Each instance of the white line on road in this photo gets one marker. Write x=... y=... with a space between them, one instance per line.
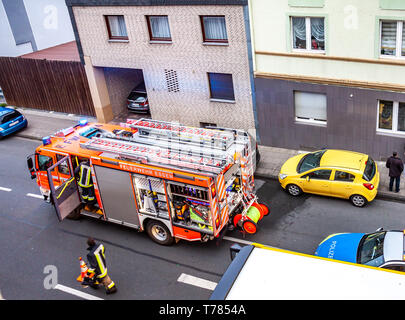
x=198 y=282
x=33 y=195
x=5 y=189
x=76 y=292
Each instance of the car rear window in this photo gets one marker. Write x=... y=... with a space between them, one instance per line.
x=136 y=95
x=10 y=116
x=370 y=169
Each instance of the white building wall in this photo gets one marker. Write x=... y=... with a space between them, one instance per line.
x=50 y=22
x=8 y=48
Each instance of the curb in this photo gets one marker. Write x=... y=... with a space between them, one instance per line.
x=382 y=195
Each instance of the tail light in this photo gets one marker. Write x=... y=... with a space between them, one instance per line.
x=369 y=186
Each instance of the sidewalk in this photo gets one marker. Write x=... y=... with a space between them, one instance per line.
x=43 y=123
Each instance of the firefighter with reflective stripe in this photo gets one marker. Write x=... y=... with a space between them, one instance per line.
x=85 y=181
x=97 y=272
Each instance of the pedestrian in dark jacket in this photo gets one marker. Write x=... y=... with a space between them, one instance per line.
x=396 y=166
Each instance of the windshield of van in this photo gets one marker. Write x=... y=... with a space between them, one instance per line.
x=370 y=250
x=370 y=170
x=310 y=161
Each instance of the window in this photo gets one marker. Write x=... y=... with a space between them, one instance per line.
x=44 y=162
x=116 y=27
x=214 y=29
x=308 y=34
x=221 y=86
x=310 y=107
x=344 y=176
x=391 y=116
x=10 y=116
x=318 y=175
x=371 y=248
x=392 y=39
x=369 y=170
x=158 y=27
x=64 y=166
x=310 y=161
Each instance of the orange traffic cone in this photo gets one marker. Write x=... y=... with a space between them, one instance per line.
x=83 y=270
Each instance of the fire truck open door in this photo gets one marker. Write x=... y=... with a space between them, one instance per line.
x=66 y=197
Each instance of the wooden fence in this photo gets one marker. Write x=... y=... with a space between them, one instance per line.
x=46 y=84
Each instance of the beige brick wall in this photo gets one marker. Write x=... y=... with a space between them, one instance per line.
x=186 y=54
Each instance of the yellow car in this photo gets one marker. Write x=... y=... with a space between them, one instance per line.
x=337 y=173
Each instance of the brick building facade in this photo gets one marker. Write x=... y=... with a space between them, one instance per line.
x=177 y=72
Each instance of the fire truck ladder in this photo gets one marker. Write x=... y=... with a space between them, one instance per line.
x=161 y=130
x=154 y=155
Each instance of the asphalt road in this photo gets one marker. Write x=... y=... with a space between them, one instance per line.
x=33 y=241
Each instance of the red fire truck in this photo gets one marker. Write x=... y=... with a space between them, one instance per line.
x=170 y=180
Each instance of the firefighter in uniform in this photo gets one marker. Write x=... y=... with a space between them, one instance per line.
x=86 y=182
x=97 y=272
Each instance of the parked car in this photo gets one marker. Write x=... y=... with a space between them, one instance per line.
x=137 y=100
x=337 y=173
x=381 y=248
x=11 y=121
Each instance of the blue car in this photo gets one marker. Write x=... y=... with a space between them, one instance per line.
x=383 y=249
x=11 y=121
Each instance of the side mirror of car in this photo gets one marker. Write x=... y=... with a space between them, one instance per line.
x=235 y=248
x=307 y=178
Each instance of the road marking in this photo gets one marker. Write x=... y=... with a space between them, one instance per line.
x=33 y=195
x=198 y=282
x=5 y=189
x=237 y=240
x=76 y=292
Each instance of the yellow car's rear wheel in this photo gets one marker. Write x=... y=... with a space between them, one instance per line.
x=358 y=200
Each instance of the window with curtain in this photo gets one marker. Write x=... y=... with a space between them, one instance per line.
x=214 y=29
x=116 y=27
x=221 y=86
x=310 y=106
x=392 y=39
x=308 y=33
x=391 y=116
x=388 y=38
x=159 y=28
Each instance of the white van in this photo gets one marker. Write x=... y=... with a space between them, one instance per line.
x=258 y=272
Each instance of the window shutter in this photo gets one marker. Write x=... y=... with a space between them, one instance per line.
x=310 y=105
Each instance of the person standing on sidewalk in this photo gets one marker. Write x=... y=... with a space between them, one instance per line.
x=396 y=166
x=96 y=258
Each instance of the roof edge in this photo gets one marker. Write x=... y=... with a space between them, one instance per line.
x=71 y=3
